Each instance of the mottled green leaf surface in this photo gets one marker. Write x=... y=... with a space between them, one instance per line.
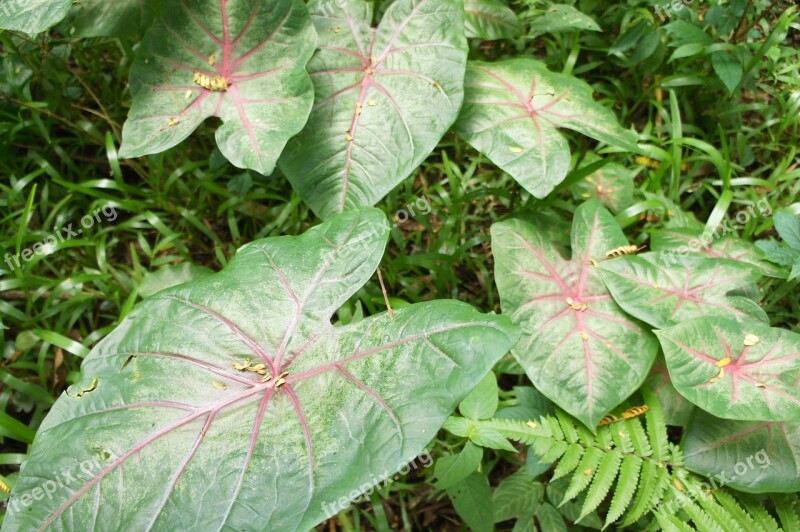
x=254 y=50
x=611 y=185
x=513 y=110
x=712 y=366
x=490 y=20
x=676 y=409
x=180 y=438
x=680 y=242
x=383 y=99
x=753 y=456
x=32 y=16
x=663 y=292
x=586 y=360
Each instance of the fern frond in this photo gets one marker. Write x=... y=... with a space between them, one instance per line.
x=632 y=467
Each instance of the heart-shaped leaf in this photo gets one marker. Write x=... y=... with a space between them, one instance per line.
x=32 y=16
x=735 y=371
x=180 y=426
x=239 y=60
x=512 y=112
x=577 y=346
x=383 y=99
x=751 y=456
x=676 y=409
x=96 y=18
x=663 y=292
x=680 y=242
x=490 y=20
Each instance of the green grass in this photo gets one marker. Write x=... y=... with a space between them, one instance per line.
x=62 y=104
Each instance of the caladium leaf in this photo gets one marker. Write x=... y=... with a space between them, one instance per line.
x=32 y=16
x=180 y=426
x=611 y=185
x=383 y=99
x=662 y=292
x=676 y=409
x=490 y=20
x=751 y=456
x=734 y=370
x=97 y=18
x=680 y=242
x=577 y=346
x=512 y=112
x=239 y=60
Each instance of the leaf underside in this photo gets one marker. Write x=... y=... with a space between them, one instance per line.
x=585 y=360
x=383 y=99
x=179 y=438
x=711 y=365
x=256 y=51
x=513 y=110
x=756 y=456
x=98 y=18
x=662 y=292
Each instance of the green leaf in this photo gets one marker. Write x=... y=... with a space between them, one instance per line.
x=481 y=403
x=451 y=470
x=728 y=68
x=711 y=365
x=677 y=242
x=169 y=276
x=490 y=20
x=586 y=360
x=472 y=499
x=383 y=99
x=161 y=417
x=32 y=16
x=562 y=18
x=492 y=439
x=99 y=18
x=677 y=410
x=516 y=494
x=611 y=185
x=257 y=84
x=788 y=226
x=751 y=456
x=777 y=253
x=531 y=405
x=512 y=112
x=550 y=519
x=663 y=290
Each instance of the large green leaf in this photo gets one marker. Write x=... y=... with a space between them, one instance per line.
x=752 y=456
x=662 y=293
x=383 y=99
x=490 y=20
x=733 y=370
x=93 y=18
x=179 y=437
x=512 y=112
x=585 y=359
x=680 y=242
x=32 y=16
x=239 y=60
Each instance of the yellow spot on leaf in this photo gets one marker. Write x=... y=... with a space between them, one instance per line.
x=215 y=84
x=189 y=94
x=588 y=471
x=677 y=484
x=532 y=425
x=751 y=339
x=515 y=149
x=212 y=59
x=348 y=137
x=372 y=103
x=584 y=336
x=219 y=385
x=721 y=363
